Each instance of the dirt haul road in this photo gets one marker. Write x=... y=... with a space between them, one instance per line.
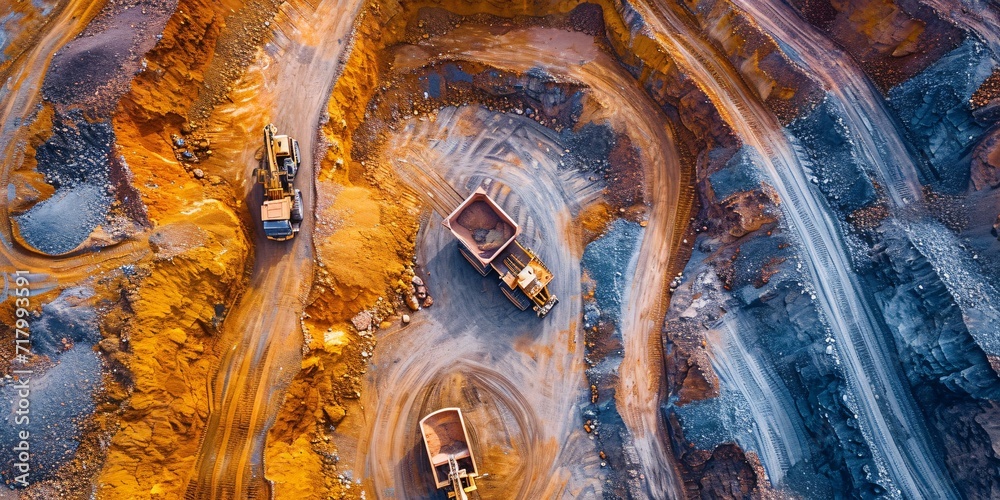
x=879 y=140
x=524 y=372
x=892 y=425
x=262 y=338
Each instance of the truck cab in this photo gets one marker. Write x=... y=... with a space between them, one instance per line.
x=279 y=230
x=281 y=218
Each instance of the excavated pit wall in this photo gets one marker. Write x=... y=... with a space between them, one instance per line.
x=948 y=370
x=754 y=283
x=936 y=110
x=703 y=141
x=893 y=40
x=951 y=377
x=785 y=88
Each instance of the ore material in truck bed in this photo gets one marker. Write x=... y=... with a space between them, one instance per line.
x=488 y=231
x=482 y=226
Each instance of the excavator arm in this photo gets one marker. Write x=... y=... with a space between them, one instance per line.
x=273 y=177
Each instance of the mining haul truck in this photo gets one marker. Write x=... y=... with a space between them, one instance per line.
x=281 y=212
x=447 y=444
x=488 y=240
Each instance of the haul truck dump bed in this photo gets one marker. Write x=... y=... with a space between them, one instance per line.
x=488 y=240
x=449 y=452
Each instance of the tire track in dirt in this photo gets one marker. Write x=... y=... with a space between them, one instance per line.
x=464 y=162
x=262 y=333
x=893 y=428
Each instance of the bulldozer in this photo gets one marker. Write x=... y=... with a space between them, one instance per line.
x=281 y=211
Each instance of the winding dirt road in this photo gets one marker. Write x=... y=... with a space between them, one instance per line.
x=262 y=338
x=523 y=158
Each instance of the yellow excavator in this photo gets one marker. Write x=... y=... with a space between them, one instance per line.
x=281 y=212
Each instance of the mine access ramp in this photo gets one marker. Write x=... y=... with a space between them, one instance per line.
x=281 y=211
x=447 y=442
x=488 y=240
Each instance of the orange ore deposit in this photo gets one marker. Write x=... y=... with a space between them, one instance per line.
x=732 y=249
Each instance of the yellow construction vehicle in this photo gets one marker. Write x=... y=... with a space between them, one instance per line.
x=488 y=240
x=281 y=212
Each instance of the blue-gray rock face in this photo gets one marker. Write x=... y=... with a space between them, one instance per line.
x=605 y=258
x=840 y=175
x=76 y=161
x=935 y=109
x=739 y=174
x=782 y=391
x=604 y=261
x=933 y=340
x=65 y=320
x=58 y=398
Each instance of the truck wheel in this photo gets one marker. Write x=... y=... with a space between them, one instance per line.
x=519 y=298
x=296 y=215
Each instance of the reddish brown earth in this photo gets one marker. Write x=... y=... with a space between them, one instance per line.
x=208 y=75
x=893 y=40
